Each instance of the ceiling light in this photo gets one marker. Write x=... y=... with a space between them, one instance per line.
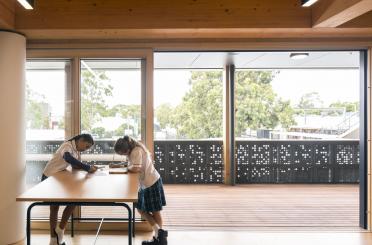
x=27 y=4
x=298 y=56
x=307 y=3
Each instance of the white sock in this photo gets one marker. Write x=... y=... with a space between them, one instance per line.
x=156 y=228
x=53 y=241
x=60 y=234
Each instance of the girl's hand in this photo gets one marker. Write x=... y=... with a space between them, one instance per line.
x=92 y=169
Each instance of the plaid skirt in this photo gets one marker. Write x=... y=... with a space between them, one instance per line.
x=152 y=198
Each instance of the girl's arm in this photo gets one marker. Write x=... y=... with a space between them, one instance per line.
x=76 y=163
x=133 y=169
x=135 y=161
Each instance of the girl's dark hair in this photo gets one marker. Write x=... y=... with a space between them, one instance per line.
x=127 y=144
x=85 y=137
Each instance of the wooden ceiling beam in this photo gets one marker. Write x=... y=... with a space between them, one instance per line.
x=333 y=13
x=195 y=33
x=7 y=14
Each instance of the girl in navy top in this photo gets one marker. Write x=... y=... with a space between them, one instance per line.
x=66 y=155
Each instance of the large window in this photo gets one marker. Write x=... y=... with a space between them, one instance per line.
x=46 y=82
x=110 y=93
x=297 y=117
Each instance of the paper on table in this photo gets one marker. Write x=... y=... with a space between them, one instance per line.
x=100 y=173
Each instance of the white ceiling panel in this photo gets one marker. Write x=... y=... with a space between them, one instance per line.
x=256 y=60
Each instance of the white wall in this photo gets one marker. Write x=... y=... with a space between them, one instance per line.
x=12 y=132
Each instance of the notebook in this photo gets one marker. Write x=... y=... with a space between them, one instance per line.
x=118 y=170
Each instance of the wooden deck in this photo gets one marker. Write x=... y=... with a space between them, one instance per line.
x=242 y=207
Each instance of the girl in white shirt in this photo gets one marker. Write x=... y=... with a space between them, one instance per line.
x=66 y=155
x=151 y=198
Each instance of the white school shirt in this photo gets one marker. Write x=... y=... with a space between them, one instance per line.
x=140 y=159
x=58 y=163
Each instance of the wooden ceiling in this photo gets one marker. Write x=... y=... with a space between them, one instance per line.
x=160 y=19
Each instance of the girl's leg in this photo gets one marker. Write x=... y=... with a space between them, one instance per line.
x=66 y=215
x=158 y=219
x=162 y=234
x=153 y=218
x=53 y=219
x=148 y=217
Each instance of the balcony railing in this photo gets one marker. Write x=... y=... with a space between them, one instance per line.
x=258 y=161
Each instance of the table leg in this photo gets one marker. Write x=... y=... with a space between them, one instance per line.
x=134 y=220
x=129 y=222
x=28 y=228
x=130 y=218
x=72 y=224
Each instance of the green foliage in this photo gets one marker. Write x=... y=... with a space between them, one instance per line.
x=61 y=123
x=95 y=89
x=309 y=104
x=200 y=113
x=100 y=131
x=37 y=115
x=310 y=100
x=163 y=114
x=257 y=106
x=127 y=111
x=349 y=106
x=121 y=130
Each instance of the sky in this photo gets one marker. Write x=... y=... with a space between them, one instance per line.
x=332 y=85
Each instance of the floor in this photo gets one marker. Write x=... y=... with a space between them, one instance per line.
x=223 y=238
x=246 y=214
x=241 y=207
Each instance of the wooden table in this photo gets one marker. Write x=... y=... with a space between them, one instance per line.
x=83 y=189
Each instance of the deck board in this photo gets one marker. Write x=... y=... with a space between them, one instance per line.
x=255 y=205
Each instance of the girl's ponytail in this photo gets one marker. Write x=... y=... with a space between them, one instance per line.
x=86 y=137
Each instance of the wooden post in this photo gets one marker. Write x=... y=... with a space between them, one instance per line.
x=147 y=112
x=369 y=134
x=228 y=125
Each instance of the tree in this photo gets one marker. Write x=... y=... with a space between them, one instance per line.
x=100 y=131
x=132 y=115
x=94 y=90
x=163 y=114
x=200 y=113
x=310 y=100
x=349 y=106
x=309 y=104
x=127 y=111
x=121 y=130
x=257 y=106
x=37 y=110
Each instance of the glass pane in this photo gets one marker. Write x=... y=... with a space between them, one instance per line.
x=188 y=118
x=297 y=120
x=188 y=104
x=110 y=108
x=297 y=103
x=45 y=117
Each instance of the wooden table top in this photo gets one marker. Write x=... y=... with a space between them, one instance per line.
x=80 y=186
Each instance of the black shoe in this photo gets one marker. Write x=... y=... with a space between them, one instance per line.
x=163 y=234
x=154 y=241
